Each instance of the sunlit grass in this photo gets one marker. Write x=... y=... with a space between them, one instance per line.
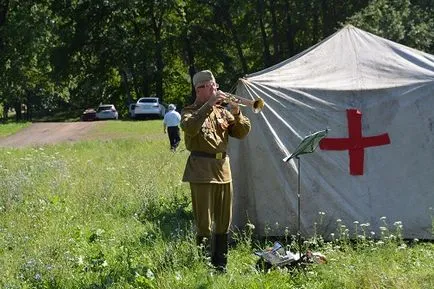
x=11 y=128
x=113 y=213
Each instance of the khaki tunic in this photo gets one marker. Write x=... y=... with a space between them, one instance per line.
x=207 y=129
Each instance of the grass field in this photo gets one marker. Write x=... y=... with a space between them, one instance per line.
x=11 y=128
x=114 y=214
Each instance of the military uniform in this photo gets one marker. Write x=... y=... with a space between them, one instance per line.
x=207 y=129
x=206 y=133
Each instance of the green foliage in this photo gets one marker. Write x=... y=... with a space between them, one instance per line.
x=63 y=55
x=27 y=38
x=400 y=21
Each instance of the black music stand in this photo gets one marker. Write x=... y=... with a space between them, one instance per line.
x=306 y=146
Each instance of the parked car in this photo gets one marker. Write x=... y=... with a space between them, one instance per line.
x=149 y=106
x=89 y=115
x=106 y=111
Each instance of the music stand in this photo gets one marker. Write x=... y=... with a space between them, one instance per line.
x=307 y=145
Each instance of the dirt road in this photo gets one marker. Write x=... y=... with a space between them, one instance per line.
x=48 y=133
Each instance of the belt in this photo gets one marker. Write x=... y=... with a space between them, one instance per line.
x=217 y=156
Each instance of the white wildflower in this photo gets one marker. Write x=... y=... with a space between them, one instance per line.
x=80 y=260
x=150 y=274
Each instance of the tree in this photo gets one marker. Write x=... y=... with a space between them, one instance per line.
x=400 y=21
x=27 y=40
x=4 y=4
x=74 y=54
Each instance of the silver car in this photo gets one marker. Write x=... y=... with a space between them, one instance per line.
x=149 y=106
x=106 y=111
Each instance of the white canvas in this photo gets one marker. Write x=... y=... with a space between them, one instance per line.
x=351 y=72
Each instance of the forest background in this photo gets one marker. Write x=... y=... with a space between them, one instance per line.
x=68 y=55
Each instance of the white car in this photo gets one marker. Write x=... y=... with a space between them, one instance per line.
x=149 y=106
x=106 y=111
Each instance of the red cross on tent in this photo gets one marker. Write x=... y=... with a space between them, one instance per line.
x=355 y=143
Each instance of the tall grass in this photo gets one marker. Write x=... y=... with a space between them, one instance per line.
x=113 y=213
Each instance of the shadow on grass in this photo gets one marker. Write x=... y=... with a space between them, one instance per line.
x=170 y=215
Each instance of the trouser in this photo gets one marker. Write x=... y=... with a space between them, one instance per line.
x=212 y=205
x=174 y=137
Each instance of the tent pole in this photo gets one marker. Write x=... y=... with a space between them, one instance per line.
x=298 y=206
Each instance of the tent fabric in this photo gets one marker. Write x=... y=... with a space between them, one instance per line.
x=362 y=88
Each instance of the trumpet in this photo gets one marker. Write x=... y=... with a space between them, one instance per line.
x=256 y=104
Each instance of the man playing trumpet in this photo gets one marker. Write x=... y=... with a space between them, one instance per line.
x=207 y=126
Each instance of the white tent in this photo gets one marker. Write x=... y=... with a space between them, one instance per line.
x=376 y=97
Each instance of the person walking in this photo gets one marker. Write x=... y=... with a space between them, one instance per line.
x=207 y=126
x=171 y=123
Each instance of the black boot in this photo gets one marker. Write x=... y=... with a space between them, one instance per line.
x=203 y=244
x=219 y=257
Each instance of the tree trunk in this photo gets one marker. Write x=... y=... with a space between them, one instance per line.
x=236 y=41
x=145 y=86
x=156 y=23
x=315 y=25
x=132 y=77
x=275 y=28
x=160 y=67
x=5 y=112
x=4 y=6
x=126 y=85
x=29 y=104
x=190 y=61
x=327 y=20
x=266 y=51
x=18 y=114
x=289 y=30
x=222 y=11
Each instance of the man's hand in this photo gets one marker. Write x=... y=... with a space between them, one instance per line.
x=235 y=108
x=216 y=98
